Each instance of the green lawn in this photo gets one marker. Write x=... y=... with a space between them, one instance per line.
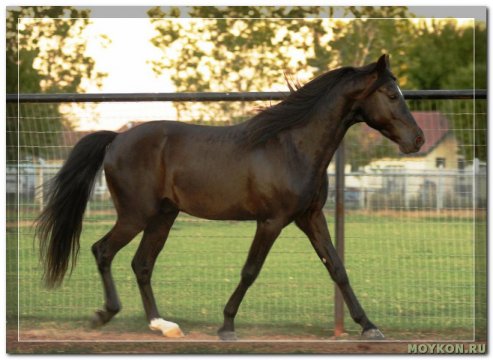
x=411 y=275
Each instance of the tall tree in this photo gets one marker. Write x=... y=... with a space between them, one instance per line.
x=443 y=55
x=45 y=52
x=234 y=49
x=372 y=31
x=49 y=53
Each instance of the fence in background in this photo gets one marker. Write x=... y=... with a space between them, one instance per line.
x=408 y=225
x=411 y=190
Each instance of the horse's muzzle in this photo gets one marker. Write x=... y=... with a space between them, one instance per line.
x=412 y=146
x=419 y=141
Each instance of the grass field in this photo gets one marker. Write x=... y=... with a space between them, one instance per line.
x=412 y=275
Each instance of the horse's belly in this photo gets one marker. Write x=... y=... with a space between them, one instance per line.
x=215 y=207
x=220 y=213
x=212 y=199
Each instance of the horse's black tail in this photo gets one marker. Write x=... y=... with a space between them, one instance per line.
x=59 y=225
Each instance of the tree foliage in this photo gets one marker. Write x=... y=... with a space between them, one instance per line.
x=44 y=55
x=233 y=49
x=373 y=31
x=443 y=55
x=49 y=54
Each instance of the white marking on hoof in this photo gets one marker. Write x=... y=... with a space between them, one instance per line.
x=324 y=260
x=168 y=328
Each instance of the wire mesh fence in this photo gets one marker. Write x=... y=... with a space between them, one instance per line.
x=411 y=232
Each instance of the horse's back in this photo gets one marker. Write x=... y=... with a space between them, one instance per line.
x=171 y=138
x=201 y=169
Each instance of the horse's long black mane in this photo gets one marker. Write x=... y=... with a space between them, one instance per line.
x=298 y=106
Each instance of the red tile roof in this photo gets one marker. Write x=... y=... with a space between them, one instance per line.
x=435 y=127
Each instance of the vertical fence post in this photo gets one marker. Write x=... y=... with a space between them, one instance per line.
x=38 y=185
x=439 y=190
x=339 y=229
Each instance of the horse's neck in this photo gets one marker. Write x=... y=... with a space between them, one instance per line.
x=319 y=138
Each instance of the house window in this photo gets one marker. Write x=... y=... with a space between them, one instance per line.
x=440 y=162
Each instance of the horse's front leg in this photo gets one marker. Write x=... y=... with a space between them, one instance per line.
x=314 y=225
x=267 y=233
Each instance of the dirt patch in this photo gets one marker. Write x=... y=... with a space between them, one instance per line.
x=41 y=341
x=82 y=341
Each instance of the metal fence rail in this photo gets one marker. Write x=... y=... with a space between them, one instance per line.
x=218 y=96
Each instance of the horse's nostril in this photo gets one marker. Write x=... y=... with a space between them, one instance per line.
x=419 y=141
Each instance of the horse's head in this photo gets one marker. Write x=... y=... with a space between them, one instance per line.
x=379 y=103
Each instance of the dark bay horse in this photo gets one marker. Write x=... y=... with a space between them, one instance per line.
x=271 y=169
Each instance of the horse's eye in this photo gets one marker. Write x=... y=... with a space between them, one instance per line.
x=393 y=96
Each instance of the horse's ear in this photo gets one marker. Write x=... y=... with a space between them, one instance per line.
x=370 y=82
x=382 y=63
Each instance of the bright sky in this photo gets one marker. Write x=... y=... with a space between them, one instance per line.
x=125 y=59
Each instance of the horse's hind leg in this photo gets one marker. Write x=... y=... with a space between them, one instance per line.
x=104 y=251
x=155 y=235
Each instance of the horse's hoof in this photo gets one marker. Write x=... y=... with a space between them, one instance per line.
x=227 y=335
x=173 y=333
x=97 y=320
x=372 y=334
x=167 y=328
x=101 y=317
